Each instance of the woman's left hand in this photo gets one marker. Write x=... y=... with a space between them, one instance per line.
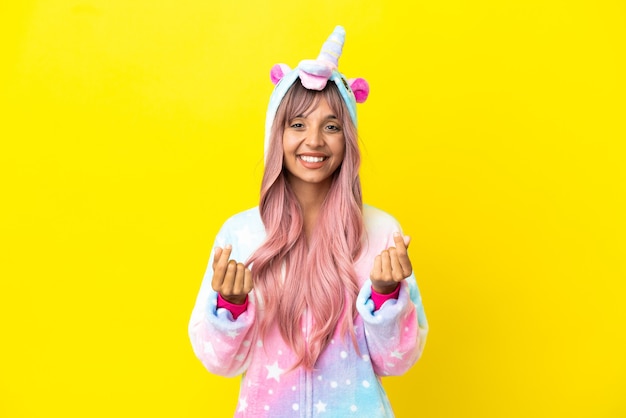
x=391 y=266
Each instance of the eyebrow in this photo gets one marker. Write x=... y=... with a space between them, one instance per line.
x=330 y=116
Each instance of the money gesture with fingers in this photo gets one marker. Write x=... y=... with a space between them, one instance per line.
x=232 y=280
x=391 y=266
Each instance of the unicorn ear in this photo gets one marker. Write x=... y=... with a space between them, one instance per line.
x=360 y=88
x=278 y=71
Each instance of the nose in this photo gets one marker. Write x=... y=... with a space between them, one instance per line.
x=314 y=138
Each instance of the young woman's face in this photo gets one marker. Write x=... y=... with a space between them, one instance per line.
x=313 y=145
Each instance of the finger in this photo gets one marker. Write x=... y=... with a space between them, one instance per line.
x=221 y=260
x=402 y=243
x=396 y=267
x=229 y=279
x=219 y=267
x=239 y=279
x=247 y=281
x=376 y=270
x=407 y=267
x=386 y=265
x=218 y=270
x=405 y=263
x=227 y=250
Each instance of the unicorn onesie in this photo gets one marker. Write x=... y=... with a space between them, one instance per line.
x=346 y=379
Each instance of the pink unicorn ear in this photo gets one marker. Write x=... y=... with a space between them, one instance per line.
x=278 y=71
x=360 y=88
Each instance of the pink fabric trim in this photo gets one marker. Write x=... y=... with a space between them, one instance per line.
x=379 y=298
x=234 y=309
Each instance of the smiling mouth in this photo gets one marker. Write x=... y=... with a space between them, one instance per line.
x=312 y=159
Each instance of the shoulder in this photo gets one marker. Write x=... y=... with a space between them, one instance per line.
x=379 y=229
x=244 y=231
x=376 y=219
x=249 y=217
x=247 y=222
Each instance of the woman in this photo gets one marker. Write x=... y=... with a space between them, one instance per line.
x=311 y=295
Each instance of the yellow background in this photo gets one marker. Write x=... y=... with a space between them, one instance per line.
x=130 y=130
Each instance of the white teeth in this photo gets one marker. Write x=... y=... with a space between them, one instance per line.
x=310 y=159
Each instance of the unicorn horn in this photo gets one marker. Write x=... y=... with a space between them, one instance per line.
x=331 y=50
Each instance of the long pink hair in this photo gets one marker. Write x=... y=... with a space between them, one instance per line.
x=292 y=276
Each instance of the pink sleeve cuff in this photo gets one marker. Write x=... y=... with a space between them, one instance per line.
x=379 y=298
x=234 y=309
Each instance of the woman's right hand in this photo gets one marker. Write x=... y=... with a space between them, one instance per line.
x=232 y=280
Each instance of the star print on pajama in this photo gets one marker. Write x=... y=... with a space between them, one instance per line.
x=274 y=372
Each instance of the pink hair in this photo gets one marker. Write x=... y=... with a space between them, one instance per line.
x=292 y=276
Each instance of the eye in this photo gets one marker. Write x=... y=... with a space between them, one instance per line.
x=333 y=128
x=296 y=125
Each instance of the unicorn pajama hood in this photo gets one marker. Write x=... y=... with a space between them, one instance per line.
x=314 y=75
x=346 y=378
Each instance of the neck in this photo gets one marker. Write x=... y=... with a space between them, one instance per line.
x=310 y=197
